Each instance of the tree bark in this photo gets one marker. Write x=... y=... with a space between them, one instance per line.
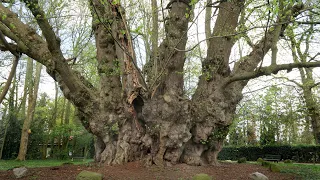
x=154 y=35
x=63 y=108
x=4 y=118
x=65 y=139
x=208 y=22
x=27 y=81
x=8 y=83
x=55 y=109
x=33 y=93
x=313 y=110
x=11 y=113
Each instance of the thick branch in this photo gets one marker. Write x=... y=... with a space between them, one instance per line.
x=315 y=85
x=308 y=22
x=219 y=49
x=7 y=1
x=53 y=41
x=14 y=66
x=74 y=86
x=208 y=21
x=170 y=60
x=19 y=47
x=271 y=70
x=248 y=64
x=11 y=75
x=26 y=38
x=276 y=33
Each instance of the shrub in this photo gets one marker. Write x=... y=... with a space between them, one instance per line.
x=274 y=167
x=300 y=153
x=288 y=161
x=265 y=164
x=260 y=160
x=242 y=160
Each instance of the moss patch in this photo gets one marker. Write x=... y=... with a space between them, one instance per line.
x=202 y=177
x=88 y=175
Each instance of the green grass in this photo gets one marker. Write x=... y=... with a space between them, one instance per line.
x=304 y=171
x=9 y=164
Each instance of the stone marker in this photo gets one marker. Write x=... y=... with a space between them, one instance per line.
x=258 y=176
x=88 y=175
x=20 y=172
x=202 y=176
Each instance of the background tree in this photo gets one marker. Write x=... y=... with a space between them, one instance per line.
x=32 y=99
x=306 y=74
x=277 y=114
x=12 y=130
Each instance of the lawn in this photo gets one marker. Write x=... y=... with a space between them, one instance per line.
x=305 y=171
x=9 y=164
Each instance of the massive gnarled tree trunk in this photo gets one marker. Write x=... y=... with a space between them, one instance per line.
x=134 y=120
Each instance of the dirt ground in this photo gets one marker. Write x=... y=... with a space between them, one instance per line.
x=135 y=170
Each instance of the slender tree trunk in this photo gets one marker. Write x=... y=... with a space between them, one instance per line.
x=67 y=113
x=208 y=22
x=8 y=83
x=53 y=119
x=11 y=111
x=44 y=149
x=65 y=139
x=63 y=108
x=155 y=34
x=55 y=110
x=4 y=118
x=313 y=110
x=27 y=84
x=33 y=93
x=308 y=83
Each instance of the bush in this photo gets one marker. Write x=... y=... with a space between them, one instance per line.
x=300 y=153
x=265 y=164
x=287 y=161
x=260 y=160
x=274 y=167
x=242 y=160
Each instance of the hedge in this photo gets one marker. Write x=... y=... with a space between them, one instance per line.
x=299 y=153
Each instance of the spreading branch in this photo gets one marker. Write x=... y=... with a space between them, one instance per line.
x=246 y=68
x=268 y=70
x=8 y=46
x=290 y=80
x=46 y=51
x=308 y=22
x=7 y=1
x=13 y=68
x=315 y=85
x=47 y=30
x=11 y=75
